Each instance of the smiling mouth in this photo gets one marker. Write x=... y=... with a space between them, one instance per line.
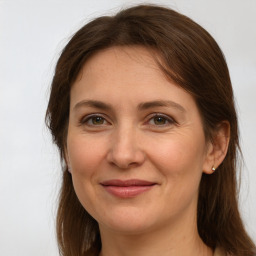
x=127 y=188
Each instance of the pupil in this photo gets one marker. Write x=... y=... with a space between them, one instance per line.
x=159 y=120
x=97 y=120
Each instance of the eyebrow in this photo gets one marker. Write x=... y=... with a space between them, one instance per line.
x=94 y=104
x=160 y=103
x=142 y=106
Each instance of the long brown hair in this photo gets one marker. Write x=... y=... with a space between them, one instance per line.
x=190 y=57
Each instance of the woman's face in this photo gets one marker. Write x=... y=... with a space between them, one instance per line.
x=135 y=145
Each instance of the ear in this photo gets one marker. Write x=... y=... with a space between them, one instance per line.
x=66 y=158
x=217 y=148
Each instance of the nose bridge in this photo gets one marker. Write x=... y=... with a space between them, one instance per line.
x=125 y=149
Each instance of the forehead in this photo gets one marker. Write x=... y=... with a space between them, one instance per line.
x=129 y=66
x=130 y=58
x=126 y=74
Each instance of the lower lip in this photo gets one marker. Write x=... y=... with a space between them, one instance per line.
x=127 y=192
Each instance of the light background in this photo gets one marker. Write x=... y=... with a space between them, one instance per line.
x=32 y=34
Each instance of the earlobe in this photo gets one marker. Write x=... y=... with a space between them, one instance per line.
x=218 y=148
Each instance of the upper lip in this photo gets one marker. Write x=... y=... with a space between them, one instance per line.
x=127 y=183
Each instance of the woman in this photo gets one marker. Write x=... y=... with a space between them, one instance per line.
x=142 y=110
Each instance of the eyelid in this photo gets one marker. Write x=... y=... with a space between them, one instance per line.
x=171 y=120
x=85 y=119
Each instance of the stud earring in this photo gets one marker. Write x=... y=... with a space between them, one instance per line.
x=213 y=169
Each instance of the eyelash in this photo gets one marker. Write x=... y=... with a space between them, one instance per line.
x=169 y=120
x=86 y=119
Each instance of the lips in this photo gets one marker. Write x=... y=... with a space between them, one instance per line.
x=127 y=188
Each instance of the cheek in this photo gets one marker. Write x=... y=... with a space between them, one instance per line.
x=85 y=159
x=84 y=154
x=180 y=160
x=178 y=153
x=180 y=163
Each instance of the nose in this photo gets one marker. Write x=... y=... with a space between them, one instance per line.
x=125 y=151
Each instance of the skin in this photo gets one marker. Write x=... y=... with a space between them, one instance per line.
x=127 y=142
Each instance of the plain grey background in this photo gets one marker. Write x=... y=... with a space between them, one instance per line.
x=32 y=34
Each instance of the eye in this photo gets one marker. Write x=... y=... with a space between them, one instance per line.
x=161 y=120
x=93 y=120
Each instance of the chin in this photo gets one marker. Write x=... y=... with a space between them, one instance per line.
x=127 y=221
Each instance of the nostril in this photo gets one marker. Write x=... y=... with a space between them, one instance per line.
x=125 y=163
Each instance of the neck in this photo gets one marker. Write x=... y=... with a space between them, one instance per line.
x=178 y=239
